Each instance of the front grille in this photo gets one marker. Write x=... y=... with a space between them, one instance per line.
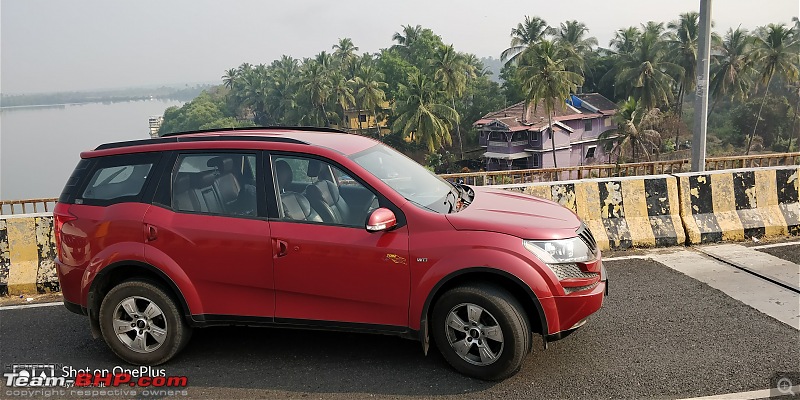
x=564 y=271
x=586 y=236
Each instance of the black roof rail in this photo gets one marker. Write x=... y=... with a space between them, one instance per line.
x=176 y=136
x=250 y=128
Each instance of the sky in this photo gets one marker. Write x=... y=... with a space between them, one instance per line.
x=73 y=45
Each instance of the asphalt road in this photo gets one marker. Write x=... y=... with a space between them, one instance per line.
x=788 y=253
x=660 y=334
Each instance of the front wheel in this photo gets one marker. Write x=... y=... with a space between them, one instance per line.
x=482 y=331
x=142 y=324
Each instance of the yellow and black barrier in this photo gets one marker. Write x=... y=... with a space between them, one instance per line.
x=738 y=204
x=622 y=212
x=27 y=254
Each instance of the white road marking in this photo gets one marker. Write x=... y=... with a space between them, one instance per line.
x=766 y=246
x=641 y=257
x=34 y=305
x=755 y=394
x=776 y=301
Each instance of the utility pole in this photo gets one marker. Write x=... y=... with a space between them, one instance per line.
x=701 y=94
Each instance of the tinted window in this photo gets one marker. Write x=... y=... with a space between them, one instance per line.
x=117 y=181
x=222 y=184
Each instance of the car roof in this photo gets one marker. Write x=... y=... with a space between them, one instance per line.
x=336 y=140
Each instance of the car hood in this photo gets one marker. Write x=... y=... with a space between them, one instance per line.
x=515 y=214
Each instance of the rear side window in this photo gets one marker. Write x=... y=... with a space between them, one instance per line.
x=117 y=179
x=115 y=182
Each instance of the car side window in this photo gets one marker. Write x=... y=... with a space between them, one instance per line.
x=312 y=190
x=215 y=183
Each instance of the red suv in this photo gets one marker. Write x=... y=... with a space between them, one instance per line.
x=307 y=227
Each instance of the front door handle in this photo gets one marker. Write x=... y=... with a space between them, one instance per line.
x=280 y=247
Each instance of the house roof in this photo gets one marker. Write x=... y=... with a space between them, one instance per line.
x=590 y=105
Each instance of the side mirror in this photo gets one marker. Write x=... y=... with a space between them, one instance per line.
x=382 y=219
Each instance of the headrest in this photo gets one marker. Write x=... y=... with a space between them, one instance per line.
x=182 y=183
x=284 y=173
x=203 y=179
x=313 y=168
x=223 y=164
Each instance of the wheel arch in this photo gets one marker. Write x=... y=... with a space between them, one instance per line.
x=522 y=292
x=124 y=270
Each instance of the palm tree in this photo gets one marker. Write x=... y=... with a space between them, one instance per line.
x=370 y=92
x=345 y=54
x=316 y=85
x=646 y=73
x=407 y=38
x=634 y=131
x=525 y=35
x=343 y=93
x=283 y=89
x=572 y=37
x=229 y=78
x=547 y=79
x=683 y=49
x=732 y=67
x=775 y=54
x=450 y=69
x=420 y=116
x=624 y=40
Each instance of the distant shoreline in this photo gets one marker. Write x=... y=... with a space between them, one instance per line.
x=62 y=105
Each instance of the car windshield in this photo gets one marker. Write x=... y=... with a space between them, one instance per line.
x=408 y=178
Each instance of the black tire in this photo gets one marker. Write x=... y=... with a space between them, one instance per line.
x=498 y=308
x=144 y=335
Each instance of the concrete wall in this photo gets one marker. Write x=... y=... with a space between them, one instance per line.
x=27 y=254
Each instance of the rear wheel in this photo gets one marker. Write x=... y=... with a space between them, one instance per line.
x=141 y=323
x=482 y=331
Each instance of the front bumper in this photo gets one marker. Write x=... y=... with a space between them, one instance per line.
x=574 y=309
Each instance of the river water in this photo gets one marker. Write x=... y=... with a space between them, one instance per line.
x=40 y=146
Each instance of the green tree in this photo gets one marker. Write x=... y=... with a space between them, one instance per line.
x=370 y=94
x=345 y=54
x=732 y=67
x=682 y=42
x=452 y=71
x=316 y=87
x=646 y=73
x=421 y=117
x=525 y=35
x=635 y=133
x=572 y=37
x=775 y=54
x=547 y=79
x=229 y=78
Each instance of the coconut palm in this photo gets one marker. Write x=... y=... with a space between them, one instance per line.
x=547 y=79
x=370 y=93
x=343 y=94
x=344 y=53
x=645 y=73
x=775 y=54
x=682 y=41
x=572 y=37
x=525 y=35
x=624 y=40
x=229 y=78
x=634 y=133
x=283 y=89
x=407 y=37
x=420 y=116
x=732 y=67
x=450 y=69
x=316 y=87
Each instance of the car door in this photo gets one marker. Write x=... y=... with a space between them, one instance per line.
x=333 y=271
x=210 y=223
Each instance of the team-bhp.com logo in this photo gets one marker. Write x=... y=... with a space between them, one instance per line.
x=35 y=379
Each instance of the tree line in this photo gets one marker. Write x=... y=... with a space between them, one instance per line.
x=430 y=93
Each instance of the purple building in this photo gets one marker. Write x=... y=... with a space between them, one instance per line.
x=519 y=138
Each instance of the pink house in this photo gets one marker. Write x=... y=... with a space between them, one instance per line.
x=518 y=137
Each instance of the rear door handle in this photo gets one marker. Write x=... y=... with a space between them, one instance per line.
x=151 y=232
x=280 y=247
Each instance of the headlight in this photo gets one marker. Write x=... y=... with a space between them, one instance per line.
x=571 y=250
